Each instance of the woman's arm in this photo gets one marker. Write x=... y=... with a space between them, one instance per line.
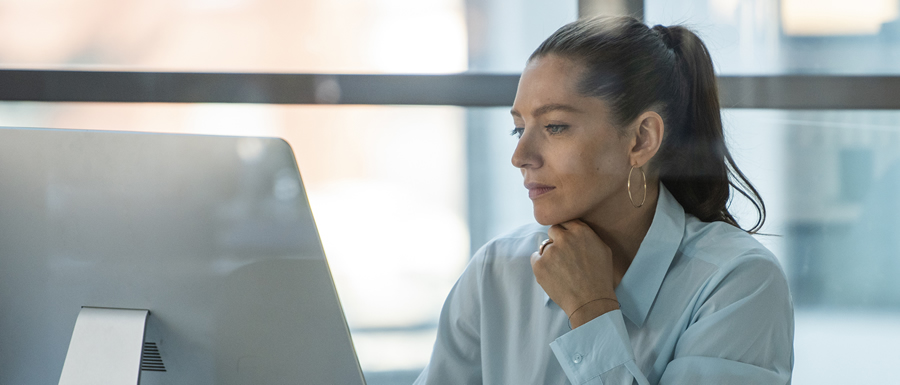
x=456 y=358
x=739 y=331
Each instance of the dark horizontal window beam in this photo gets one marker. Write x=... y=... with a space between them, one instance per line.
x=467 y=90
x=177 y=87
x=798 y=92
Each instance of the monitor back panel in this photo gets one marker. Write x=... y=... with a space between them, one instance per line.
x=213 y=235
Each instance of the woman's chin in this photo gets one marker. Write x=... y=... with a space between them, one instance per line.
x=549 y=219
x=543 y=222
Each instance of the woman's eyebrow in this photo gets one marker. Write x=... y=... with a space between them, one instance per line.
x=547 y=108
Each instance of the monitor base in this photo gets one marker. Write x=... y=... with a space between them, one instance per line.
x=106 y=347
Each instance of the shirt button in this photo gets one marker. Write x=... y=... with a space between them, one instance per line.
x=577 y=358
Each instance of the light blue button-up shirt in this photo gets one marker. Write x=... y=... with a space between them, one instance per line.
x=702 y=303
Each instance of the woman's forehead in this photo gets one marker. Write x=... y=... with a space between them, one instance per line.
x=550 y=83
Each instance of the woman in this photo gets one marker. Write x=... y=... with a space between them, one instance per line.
x=643 y=276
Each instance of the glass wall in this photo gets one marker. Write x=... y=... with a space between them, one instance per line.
x=346 y=36
x=774 y=37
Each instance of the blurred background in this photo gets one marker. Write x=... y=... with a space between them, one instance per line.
x=435 y=182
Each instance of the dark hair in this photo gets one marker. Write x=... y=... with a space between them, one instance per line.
x=634 y=69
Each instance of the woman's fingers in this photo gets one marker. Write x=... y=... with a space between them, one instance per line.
x=575 y=226
x=555 y=232
x=534 y=258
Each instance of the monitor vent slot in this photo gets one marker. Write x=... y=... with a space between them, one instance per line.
x=150 y=358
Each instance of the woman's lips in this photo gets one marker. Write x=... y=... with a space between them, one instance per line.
x=536 y=189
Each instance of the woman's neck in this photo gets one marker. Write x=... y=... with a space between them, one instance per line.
x=624 y=227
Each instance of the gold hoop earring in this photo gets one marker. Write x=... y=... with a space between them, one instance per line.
x=644 y=177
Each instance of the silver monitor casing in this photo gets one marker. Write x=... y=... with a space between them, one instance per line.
x=213 y=235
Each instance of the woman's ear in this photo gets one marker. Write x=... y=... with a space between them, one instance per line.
x=647 y=138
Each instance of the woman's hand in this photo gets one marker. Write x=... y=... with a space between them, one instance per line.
x=576 y=271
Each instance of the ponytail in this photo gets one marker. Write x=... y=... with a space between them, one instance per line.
x=694 y=163
x=666 y=69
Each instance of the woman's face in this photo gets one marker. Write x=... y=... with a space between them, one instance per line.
x=574 y=161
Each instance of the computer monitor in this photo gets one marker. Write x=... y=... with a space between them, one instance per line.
x=212 y=235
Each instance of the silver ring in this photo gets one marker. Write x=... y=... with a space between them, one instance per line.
x=543 y=245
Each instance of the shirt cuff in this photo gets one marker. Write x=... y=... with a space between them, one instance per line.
x=594 y=348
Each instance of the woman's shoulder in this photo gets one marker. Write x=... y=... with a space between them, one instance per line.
x=739 y=275
x=726 y=248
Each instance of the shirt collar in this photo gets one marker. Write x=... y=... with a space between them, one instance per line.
x=642 y=281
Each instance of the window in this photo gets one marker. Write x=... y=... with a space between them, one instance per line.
x=393 y=177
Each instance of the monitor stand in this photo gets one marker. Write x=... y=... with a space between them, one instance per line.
x=105 y=347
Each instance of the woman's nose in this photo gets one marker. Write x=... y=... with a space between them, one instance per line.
x=526 y=154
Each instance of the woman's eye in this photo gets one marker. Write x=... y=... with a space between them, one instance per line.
x=517 y=132
x=555 y=128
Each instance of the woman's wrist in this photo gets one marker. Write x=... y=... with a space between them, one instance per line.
x=590 y=310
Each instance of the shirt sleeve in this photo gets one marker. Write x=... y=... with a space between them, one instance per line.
x=740 y=331
x=456 y=358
